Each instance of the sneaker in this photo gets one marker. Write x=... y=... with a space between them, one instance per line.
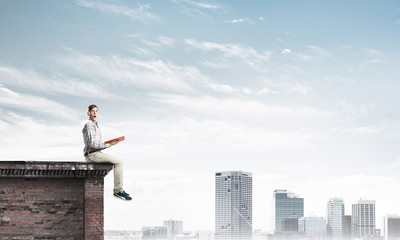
x=123 y=195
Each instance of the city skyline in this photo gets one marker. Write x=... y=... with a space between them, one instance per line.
x=302 y=94
x=232 y=191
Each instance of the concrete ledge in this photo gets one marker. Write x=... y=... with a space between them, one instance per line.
x=42 y=169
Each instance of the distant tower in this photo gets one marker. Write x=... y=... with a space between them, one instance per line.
x=156 y=232
x=233 y=205
x=314 y=227
x=347 y=227
x=335 y=218
x=363 y=218
x=392 y=227
x=287 y=207
x=174 y=227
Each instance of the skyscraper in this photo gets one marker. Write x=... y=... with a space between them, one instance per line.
x=233 y=205
x=346 y=227
x=392 y=227
x=363 y=218
x=156 y=232
x=335 y=216
x=174 y=227
x=286 y=207
x=314 y=227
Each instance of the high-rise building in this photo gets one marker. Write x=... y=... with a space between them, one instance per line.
x=363 y=219
x=154 y=232
x=392 y=227
x=314 y=227
x=286 y=207
x=174 y=228
x=335 y=217
x=346 y=227
x=233 y=205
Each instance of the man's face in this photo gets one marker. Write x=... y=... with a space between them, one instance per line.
x=93 y=114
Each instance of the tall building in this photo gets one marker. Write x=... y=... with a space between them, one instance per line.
x=174 y=228
x=392 y=227
x=233 y=205
x=346 y=227
x=363 y=218
x=154 y=233
x=314 y=227
x=286 y=207
x=335 y=217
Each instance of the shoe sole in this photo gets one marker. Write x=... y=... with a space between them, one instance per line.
x=122 y=198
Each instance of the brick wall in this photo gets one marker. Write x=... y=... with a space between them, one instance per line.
x=52 y=200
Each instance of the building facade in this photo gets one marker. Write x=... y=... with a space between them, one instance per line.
x=347 y=227
x=52 y=200
x=335 y=217
x=233 y=205
x=363 y=219
x=313 y=227
x=174 y=228
x=286 y=207
x=392 y=227
x=154 y=233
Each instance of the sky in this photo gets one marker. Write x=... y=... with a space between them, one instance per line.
x=302 y=94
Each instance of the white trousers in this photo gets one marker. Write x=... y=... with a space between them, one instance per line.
x=100 y=157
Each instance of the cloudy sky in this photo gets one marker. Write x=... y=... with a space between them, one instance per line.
x=303 y=94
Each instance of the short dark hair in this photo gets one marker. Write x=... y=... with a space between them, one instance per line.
x=91 y=107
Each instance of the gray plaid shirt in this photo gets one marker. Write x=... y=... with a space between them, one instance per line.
x=92 y=137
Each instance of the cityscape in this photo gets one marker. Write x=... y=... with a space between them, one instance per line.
x=234 y=216
x=301 y=95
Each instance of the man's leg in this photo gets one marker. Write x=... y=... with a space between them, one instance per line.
x=100 y=157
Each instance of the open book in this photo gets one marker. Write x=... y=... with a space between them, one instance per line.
x=119 y=139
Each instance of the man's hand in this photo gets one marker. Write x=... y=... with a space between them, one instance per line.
x=113 y=143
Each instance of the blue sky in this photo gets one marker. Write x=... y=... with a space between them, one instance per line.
x=303 y=94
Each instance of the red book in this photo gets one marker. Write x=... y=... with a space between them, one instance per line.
x=119 y=139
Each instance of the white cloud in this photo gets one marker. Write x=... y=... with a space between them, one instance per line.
x=352 y=109
x=312 y=53
x=161 y=41
x=140 y=13
x=32 y=80
x=229 y=89
x=200 y=4
x=150 y=74
x=233 y=51
x=222 y=88
x=240 y=107
x=166 y=41
x=198 y=8
x=282 y=87
x=30 y=103
x=375 y=61
x=240 y=20
x=267 y=90
x=25 y=138
x=371 y=51
x=286 y=51
x=366 y=130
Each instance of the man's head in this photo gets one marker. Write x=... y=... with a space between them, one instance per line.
x=92 y=112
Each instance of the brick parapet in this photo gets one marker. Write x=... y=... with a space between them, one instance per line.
x=52 y=200
x=30 y=169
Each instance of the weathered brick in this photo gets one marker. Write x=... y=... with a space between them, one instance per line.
x=52 y=200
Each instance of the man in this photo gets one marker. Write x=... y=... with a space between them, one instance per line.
x=92 y=151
